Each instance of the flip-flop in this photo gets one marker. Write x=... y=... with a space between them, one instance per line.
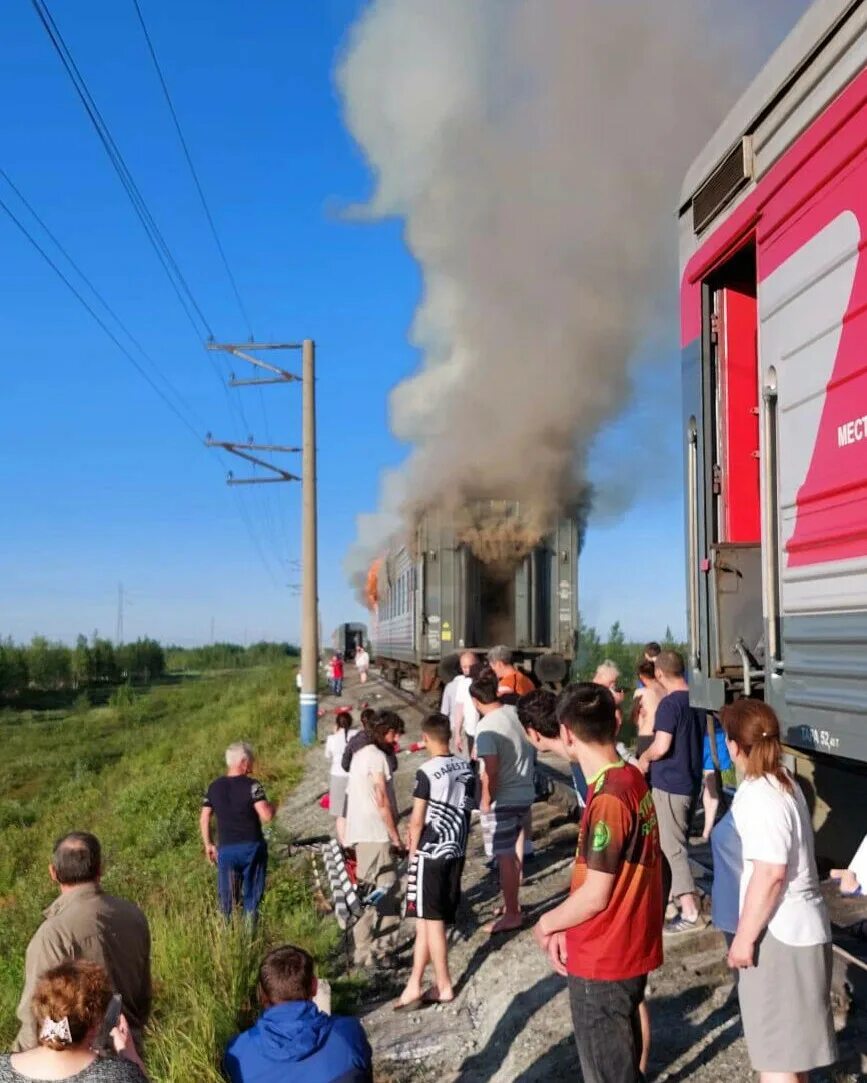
x=411 y=1006
x=427 y=998
x=492 y=930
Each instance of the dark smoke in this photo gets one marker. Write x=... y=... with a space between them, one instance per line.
x=535 y=150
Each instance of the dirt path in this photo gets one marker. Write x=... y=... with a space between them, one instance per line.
x=510 y=1021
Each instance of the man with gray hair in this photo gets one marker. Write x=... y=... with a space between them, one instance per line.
x=85 y=923
x=512 y=682
x=239 y=803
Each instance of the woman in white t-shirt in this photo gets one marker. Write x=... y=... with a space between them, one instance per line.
x=782 y=945
x=335 y=745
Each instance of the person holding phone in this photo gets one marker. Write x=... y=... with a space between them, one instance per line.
x=71 y=1007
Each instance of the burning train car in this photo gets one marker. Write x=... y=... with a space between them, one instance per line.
x=471 y=581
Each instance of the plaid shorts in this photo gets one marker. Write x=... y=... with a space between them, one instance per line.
x=500 y=829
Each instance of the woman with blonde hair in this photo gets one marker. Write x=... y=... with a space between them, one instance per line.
x=782 y=945
x=69 y=1006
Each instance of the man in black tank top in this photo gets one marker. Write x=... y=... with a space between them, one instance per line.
x=239 y=803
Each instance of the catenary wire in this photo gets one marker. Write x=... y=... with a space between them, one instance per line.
x=271 y=502
x=95 y=315
x=161 y=248
x=142 y=371
x=169 y=264
x=173 y=271
x=193 y=171
x=55 y=240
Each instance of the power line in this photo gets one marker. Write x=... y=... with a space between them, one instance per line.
x=95 y=292
x=193 y=171
x=244 y=515
x=170 y=266
x=158 y=242
x=95 y=315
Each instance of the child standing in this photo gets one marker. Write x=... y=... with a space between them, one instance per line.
x=335 y=745
x=438 y=830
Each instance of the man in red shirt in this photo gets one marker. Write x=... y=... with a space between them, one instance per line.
x=607 y=936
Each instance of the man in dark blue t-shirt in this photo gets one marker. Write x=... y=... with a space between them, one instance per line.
x=677 y=758
x=239 y=803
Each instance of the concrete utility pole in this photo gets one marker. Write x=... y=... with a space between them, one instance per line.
x=309 y=600
x=309 y=593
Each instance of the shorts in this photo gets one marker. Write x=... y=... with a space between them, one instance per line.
x=433 y=889
x=500 y=829
x=725 y=760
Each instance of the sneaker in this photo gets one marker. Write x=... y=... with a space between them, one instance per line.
x=681 y=925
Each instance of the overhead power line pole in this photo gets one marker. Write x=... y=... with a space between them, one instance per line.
x=309 y=577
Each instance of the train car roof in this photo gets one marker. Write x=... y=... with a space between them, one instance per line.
x=816 y=24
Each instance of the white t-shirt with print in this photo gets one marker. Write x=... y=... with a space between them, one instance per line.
x=364 y=821
x=774 y=827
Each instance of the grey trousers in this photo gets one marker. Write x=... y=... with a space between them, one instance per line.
x=607 y=1028
x=375 y=933
x=673 y=811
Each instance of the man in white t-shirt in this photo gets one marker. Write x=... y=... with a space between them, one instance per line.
x=464 y=717
x=372 y=829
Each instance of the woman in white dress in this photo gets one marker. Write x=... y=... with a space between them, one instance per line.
x=782 y=944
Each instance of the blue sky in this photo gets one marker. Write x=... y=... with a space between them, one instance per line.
x=101 y=483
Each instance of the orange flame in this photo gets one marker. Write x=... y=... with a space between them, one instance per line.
x=371 y=591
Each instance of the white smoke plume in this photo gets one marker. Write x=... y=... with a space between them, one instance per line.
x=535 y=150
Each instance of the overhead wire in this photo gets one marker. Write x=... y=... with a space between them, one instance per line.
x=170 y=265
x=61 y=248
x=139 y=368
x=95 y=315
x=193 y=171
x=272 y=504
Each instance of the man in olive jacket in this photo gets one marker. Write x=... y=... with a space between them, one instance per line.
x=85 y=923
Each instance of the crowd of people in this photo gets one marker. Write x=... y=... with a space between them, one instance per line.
x=632 y=883
x=87 y=987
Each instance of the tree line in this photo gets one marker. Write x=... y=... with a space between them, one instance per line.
x=592 y=649
x=47 y=665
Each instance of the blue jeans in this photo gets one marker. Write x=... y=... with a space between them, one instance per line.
x=241 y=868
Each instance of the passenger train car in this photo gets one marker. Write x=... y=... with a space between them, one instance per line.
x=434 y=598
x=347 y=638
x=773 y=228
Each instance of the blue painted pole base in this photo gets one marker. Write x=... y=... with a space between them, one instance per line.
x=309 y=719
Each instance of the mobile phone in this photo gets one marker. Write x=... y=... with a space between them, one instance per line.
x=102 y=1043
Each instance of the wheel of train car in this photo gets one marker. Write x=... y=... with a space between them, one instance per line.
x=449 y=667
x=550 y=668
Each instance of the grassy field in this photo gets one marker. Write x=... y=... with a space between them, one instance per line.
x=133 y=773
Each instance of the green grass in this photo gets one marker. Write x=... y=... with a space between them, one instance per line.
x=133 y=773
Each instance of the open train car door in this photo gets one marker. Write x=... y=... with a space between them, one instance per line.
x=726 y=633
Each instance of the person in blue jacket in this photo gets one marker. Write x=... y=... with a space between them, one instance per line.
x=293 y=1039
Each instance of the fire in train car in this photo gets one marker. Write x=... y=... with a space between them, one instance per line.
x=772 y=228
x=469 y=585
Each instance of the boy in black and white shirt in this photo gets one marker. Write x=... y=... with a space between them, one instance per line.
x=442 y=801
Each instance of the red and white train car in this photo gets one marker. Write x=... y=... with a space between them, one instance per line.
x=773 y=229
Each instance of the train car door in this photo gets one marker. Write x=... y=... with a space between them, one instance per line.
x=724 y=491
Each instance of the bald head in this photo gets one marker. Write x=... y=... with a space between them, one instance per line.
x=468 y=660
x=77 y=859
